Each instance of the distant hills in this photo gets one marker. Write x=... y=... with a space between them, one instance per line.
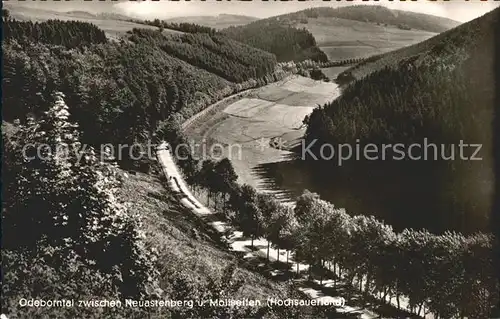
x=338 y=33
x=82 y=14
x=364 y=30
x=217 y=22
x=381 y=15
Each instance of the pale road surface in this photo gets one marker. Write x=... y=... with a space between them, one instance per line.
x=176 y=181
x=236 y=240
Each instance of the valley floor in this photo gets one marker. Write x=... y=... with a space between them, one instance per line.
x=246 y=127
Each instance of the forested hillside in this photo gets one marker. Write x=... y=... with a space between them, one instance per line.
x=69 y=34
x=214 y=53
x=286 y=42
x=119 y=91
x=379 y=15
x=461 y=39
x=445 y=96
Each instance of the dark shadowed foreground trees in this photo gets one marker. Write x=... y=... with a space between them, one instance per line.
x=61 y=214
x=66 y=236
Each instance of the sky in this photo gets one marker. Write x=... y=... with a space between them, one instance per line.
x=460 y=10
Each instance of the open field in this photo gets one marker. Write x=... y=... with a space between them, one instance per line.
x=346 y=39
x=246 y=126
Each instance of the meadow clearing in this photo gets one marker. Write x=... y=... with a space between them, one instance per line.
x=346 y=39
x=275 y=111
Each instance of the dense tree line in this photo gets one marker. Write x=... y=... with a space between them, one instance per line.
x=65 y=233
x=214 y=53
x=395 y=106
x=112 y=87
x=70 y=34
x=463 y=40
x=182 y=26
x=287 y=43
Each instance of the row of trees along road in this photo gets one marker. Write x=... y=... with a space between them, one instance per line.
x=450 y=275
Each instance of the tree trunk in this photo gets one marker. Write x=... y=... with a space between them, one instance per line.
x=278 y=257
x=420 y=309
x=287 y=252
x=251 y=245
x=397 y=300
x=268 y=244
x=367 y=286
x=224 y=207
x=297 y=267
x=334 y=276
x=321 y=273
x=386 y=290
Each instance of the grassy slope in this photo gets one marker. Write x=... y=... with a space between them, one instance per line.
x=463 y=35
x=362 y=31
x=184 y=240
x=217 y=22
x=344 y=39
